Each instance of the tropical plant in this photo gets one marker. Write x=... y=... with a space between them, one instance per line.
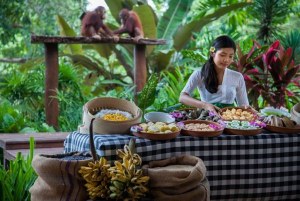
x=22 y=105
x=270 y=74
x=17 y=180
x=292 y=39
x=270 y=14
x=11 y=119
x=20 y=19
x=147 y=96
x=169 y=89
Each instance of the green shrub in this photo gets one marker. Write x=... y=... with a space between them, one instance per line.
x=17 y=180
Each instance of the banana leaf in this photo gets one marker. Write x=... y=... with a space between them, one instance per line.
x=161 y=59
x=184 y=33
x=147 y=17
x=66 y=30
x=88 y=63
x=171 y=19
x=116 y=5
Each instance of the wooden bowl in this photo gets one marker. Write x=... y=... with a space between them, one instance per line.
x=284 y=130
x=201 y=133
x=157 y=136
x=242 y=108
x=245 y=132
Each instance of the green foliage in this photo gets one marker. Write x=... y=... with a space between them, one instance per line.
x=13 y=16
x=20 y=19
x=184 y=33
x=11 y=119
x=171 y=20
x=270 y=14
x=169 y=89
x=24 y=109
x=17 y=180
x=147 y=96
x=271 y=74
x=292 y=39
x=70 y=97
x=66 y=30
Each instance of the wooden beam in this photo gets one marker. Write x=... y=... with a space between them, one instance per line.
x=51 y=84
x=83 y=40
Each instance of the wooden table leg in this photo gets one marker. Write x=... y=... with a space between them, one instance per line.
x=140 y=68
x=51 y=82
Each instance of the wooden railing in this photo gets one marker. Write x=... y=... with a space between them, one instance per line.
x=45 y=143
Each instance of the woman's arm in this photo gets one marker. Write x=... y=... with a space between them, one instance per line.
x=241 y=94
x=186 y=99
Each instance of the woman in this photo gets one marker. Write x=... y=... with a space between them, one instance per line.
x=218 y=86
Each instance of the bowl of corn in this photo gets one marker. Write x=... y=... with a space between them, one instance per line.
x=112 y=116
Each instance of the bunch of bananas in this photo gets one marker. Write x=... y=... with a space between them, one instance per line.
x=127 y=181
x=97 y=176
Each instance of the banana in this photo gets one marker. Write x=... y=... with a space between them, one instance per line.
x=118 y=184
x=123 y=181
x=113 y=195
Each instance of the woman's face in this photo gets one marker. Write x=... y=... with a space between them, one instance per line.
x=223 y=57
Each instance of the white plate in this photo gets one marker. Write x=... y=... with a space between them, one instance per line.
x=159 y=117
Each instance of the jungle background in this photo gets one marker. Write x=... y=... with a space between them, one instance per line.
x=266 y=31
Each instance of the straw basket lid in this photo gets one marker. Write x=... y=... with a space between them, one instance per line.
x=102 y=126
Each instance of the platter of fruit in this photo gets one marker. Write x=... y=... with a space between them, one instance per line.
x=156 y=131
x=201 y=128
x=236 y=127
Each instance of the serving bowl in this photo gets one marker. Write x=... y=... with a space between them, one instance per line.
x=159 y=117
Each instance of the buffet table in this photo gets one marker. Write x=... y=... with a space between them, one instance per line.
x=261 y=167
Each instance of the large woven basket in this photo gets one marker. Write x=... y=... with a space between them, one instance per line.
x=109 y=127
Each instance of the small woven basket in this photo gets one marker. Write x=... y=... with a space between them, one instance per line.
x=102 y=126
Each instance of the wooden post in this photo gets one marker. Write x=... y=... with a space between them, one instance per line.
x=51 y=84
x=140 y=68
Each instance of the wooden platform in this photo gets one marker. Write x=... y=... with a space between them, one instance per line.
x=45 y=143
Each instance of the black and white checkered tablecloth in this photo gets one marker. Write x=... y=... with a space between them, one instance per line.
x=261 y=167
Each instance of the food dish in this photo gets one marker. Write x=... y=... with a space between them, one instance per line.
x=278 y=129
x=156 y=136
x=238 y=116
x=232 y=131
x=202 y=133
x=274 y=111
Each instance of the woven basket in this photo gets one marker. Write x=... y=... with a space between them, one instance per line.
x=295 y=113
x=109 y=127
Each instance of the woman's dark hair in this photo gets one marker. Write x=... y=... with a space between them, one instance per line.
x=208 y=72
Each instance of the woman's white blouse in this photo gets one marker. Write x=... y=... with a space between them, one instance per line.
x=232 y=88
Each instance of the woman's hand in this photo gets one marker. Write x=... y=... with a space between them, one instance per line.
x=211 y=107
x=251 y=108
